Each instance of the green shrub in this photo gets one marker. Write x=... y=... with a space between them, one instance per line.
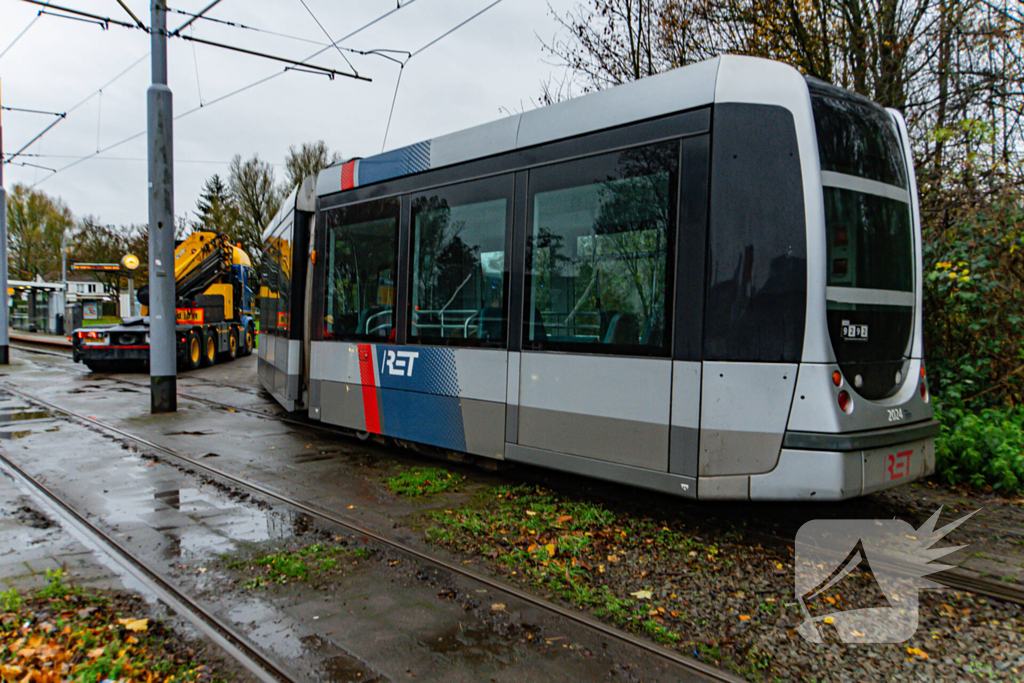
x=982 y=449
x=974 y=301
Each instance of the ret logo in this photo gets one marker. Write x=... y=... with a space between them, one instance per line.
x=864 y=576
x=399 y=362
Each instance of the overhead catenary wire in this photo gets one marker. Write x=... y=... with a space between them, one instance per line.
x=23 y=32
x=238 y=25
x=195 y=61
x=318 y=23
x=230 y=94
x=401 y=68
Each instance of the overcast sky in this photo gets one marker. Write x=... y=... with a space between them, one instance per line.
x=490 y=66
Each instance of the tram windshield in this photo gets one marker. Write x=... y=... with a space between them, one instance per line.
x=869 y=236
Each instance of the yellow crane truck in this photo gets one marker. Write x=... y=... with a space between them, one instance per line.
x=214 y=284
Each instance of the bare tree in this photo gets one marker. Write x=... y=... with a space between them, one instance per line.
x=312 y=158
x=256 y=198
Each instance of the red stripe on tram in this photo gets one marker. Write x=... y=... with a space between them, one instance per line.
x=348 y=175
x=370 y=410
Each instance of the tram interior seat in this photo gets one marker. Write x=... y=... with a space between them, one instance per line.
x=653 y=334
x=623 y=328
x=489 y=323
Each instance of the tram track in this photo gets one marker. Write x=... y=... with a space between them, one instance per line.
x=205 y=622
x=957 y=579
x=692 y=666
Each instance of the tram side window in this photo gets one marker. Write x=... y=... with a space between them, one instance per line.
x=458 y=264
x=269 y=290
x=284 y=283
x=598 y=259
x=362 y=250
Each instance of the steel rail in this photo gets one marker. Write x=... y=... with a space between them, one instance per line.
x=223 y=635
x=951 y=578
x=696 y=667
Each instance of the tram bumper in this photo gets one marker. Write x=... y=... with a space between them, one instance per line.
x=838 y=466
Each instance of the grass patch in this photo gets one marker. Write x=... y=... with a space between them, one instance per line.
x=314 y=563
x=424 y=481
x=64 y=633
x=578 y=551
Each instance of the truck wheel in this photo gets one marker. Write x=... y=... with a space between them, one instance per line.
x=209 y=347
x=232 y=352
x=194 y=351
x=250 y=340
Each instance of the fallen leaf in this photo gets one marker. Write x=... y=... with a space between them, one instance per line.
x=600 y=569
x=137 y=625
x=563 y=519
x=531 y=513
x=613 y=558
x=531 y=548
x=642 y=595
x=915 y=651
x=744 y=617
x=829 y=620
x=856 y=634
x=550 y=547
x=498 y=607
x=829 y=600
x=95 y=654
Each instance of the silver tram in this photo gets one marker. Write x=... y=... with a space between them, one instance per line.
x=707 y=283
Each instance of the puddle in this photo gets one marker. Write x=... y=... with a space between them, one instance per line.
x=312 y=456
x=270 y=629
x=470 y=645
x=348 y=669
x=339 y=667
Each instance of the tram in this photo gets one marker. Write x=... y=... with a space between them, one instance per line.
x=707 y=283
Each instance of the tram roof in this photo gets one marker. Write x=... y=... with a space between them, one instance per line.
x=673 y=91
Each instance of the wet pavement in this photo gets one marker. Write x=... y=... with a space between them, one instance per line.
x=391 y=618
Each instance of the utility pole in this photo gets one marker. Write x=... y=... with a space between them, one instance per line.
x=64 y=279
x=5 y=342
x=163 y=378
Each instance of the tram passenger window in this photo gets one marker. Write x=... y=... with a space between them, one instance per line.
x=458 y=264
x=269 y=293
x=598 y=259
x=284 y=282
x=362 y=249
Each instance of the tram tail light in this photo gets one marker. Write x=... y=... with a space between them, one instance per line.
x=837 y=378
x=845 y=402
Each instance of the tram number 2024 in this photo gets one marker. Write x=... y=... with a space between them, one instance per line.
x=895 y=414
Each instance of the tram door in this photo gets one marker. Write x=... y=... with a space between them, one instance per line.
x=595 y=376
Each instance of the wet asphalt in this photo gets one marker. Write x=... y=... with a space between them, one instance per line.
x=390 y=618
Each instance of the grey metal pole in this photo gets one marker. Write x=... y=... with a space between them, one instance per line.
x=159 y=115
x=5 y=341
x=64 y=279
